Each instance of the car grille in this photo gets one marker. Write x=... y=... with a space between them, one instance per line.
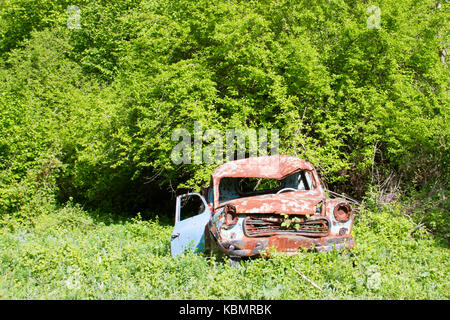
x=270 y=225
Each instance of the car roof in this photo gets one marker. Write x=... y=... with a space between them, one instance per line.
x=271 y=167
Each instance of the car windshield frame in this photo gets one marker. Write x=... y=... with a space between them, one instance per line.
x=233 y=189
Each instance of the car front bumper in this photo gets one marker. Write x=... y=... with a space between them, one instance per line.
x=287 y=244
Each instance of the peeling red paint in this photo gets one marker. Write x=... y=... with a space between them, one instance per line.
x=246 y=226
x=269 y=167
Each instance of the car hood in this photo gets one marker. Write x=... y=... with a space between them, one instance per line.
x=294 y=202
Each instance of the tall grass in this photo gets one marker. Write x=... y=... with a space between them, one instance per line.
x=70 y=254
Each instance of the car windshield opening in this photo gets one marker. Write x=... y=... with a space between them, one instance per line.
x=239 y=187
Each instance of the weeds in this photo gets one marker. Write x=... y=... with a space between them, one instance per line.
x=69 y=254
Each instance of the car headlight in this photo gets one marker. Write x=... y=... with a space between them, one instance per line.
x=231 y=218
x=342 y=212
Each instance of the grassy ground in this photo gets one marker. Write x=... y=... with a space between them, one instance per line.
x=69 y=254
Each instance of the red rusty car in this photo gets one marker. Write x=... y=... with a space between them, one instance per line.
x=258 y=203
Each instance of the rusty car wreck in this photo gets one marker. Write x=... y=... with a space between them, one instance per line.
x=259 y=203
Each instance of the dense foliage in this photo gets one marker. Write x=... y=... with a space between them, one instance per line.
x=90 y=96
x=93 y=106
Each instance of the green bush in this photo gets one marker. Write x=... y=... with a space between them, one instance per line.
x=354 y=101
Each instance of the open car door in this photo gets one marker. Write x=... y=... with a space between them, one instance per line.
x=192 y=213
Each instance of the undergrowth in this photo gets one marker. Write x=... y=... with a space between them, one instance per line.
x=72 y=254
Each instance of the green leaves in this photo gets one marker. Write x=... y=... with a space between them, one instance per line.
x=291 y=222
x=348 y=98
